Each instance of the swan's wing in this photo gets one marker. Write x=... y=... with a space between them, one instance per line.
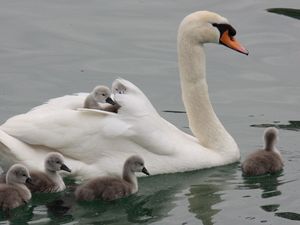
x=65 y=102
x=69 y=131
x=96 y=111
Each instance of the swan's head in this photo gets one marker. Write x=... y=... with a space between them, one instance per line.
x=18 y=174
x=136 y=164
x=102 y=94
x=55 y=162
x=130 y=98
x=208 y=27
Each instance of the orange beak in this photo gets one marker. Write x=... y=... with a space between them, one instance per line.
x=230 y=42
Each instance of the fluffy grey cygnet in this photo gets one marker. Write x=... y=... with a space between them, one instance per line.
x=98 y=98
x=263 y=161
x=50 y=180
x=14 y=192
x=110 y=188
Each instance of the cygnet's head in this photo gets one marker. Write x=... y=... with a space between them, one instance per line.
x=136 y=164
x=208 y=27
x=55 y=162
x=131 y=98
x=122 y=86
x=102 y=94
x=18 y=174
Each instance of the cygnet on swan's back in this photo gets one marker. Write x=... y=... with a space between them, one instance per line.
x=263 y=161
x=110 y=188
x=50 y=180
x=14 y=192
x=98 y=98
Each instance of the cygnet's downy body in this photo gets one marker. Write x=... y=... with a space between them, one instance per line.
x=263 y=161
x=14 y=192
x=111 y=188
x=49 y=180
x=99 y=98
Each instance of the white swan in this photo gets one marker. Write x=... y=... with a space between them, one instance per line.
x=91 y=140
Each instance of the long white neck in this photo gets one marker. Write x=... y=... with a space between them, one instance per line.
x=203 y=121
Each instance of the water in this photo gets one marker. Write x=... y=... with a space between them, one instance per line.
x=50 y=48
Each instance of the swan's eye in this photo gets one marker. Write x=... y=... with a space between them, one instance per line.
x=222 y=27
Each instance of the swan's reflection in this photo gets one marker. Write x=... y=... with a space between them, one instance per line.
x=202 y=199
x=204 y=195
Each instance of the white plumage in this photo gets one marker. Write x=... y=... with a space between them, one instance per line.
x=91 y=140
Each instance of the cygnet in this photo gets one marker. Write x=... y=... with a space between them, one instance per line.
x=267 y=160
x=111 y=188
x=98 y=98
x=14 y=192
x=50 y=180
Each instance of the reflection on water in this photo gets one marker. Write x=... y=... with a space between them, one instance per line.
x=270 y=208
x=145 y=207
x=294 y=13
x=267 y=183
x=292 y=125
x=157 y=199
x=174 y=111
x=202 y=198
x=17 y=216
x=154 y=202
x=289 y=215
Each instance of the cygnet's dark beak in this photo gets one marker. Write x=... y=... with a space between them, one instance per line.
x=29 y=180
x=145 y=171
x=110 y=101
x=65 y=168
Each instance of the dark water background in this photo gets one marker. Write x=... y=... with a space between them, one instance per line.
x=52 y=48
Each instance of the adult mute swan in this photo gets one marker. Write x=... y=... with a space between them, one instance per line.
x=91 y=140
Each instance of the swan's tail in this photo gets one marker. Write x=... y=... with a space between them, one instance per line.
x=13 y=150
x=270 y=137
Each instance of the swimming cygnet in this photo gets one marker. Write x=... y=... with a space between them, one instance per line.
x=98 y=98
x=267 y=160
x=110 y=188
x=14 y=192
x=50 y=180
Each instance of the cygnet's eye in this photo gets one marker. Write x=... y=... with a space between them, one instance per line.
x=24 y=175
x=57 y=162
x=103 y=94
